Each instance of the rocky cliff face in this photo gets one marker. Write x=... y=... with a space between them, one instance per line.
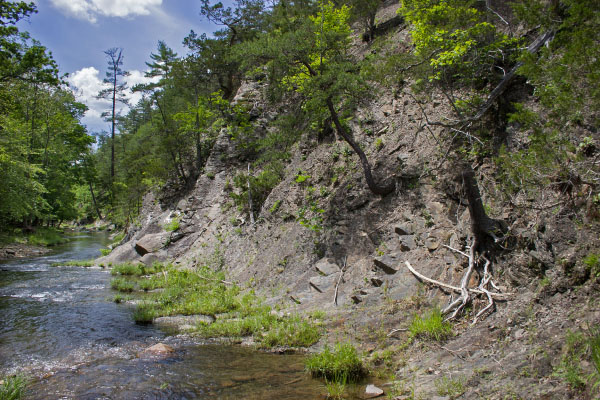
x=353 y=265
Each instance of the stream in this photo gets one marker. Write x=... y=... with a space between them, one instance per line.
x=59 y=327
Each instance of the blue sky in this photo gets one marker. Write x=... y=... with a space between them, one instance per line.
x=77 y=32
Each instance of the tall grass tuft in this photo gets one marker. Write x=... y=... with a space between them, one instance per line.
x=12 y=387
x=339 y=365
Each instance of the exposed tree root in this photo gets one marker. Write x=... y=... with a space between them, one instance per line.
x=456 y=306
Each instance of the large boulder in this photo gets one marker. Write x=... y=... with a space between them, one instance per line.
x=151 y=243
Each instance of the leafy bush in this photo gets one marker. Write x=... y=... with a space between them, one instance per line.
x=260 y=186
x=431 y=326
x=340 y=365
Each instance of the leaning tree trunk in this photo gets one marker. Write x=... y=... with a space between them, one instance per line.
x=482 y=226
x=373 y=186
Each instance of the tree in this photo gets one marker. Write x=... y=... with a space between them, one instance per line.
x=311 y=56
x=115 y=92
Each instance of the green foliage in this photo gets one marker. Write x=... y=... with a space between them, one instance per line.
x=105 y=252
x=204 y=291
x=122 y=285
x=260 y=186
x=455 y=39
x=12 y=387
x=569 y=368
x=172 y=226
x=136 y=269
x=81 y=263
x=592 y=263
x=451 y=387
x=342 y=364
x=431 y=326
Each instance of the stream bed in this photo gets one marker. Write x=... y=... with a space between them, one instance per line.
x=59 y=326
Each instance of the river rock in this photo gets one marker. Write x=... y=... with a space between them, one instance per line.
x=327 y=266
x=407 y=243
x=159 y=348
x=387 y=263
x=183 y=322
x=432 y=243
x=372 y=391
x=403 y=230
x=150 y=243
x=322 y=283
x=149 y=259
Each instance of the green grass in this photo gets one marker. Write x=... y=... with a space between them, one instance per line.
x=105 y=252
x=339 y=365
x=451 y=388
x=122 y=285
x=130 y=269
x=430 y=326
x=13 y=387
x=79 y=263
x=203 y=292
x=172 y=226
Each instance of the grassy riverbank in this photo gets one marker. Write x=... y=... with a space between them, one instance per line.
x=163 y=291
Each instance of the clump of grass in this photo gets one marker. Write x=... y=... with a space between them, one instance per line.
x=12 y=387
x=452 y=388
x=144 y=314
x=77 y=263
x=336 y=389
x=122 y=285
x=569 y=369
x=130 y=269
x=431 y=326
x=592 y=263
x=105 y=252
x=339 y=365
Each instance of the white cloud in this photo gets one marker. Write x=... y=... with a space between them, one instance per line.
x=91 y=9
x=86 y=85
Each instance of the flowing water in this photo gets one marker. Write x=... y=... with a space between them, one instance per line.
x=59 y=326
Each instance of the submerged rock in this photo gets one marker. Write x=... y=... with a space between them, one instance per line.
x=159 y=348
x=372 y=391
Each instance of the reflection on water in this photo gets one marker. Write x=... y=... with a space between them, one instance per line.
x=59 y=326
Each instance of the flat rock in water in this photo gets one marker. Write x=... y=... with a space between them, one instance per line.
x=373 y=391
x=159 y=348
x=183 y=322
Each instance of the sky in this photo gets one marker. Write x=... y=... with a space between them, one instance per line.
x=77 y=32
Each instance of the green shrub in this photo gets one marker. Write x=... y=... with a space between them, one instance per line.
x=12 y=387
x=592 y=263
x=172 y=226
x=340 y=365
x=431 y=326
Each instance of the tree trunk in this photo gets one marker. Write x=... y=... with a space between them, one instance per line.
x=482 y=226
x=94 y=201
x=373 y=186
